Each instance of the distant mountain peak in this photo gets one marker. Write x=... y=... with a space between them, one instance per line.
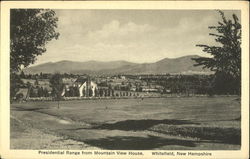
x=166 y=65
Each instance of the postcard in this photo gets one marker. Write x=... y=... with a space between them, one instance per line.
x=124 y=79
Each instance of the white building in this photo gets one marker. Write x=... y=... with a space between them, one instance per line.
x=85 y=87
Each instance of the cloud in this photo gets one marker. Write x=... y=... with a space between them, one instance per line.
x=115 y=30
x=131 y=41
x=86 y=37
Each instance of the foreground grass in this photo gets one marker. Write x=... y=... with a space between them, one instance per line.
x=223 y=135
x=167 y=123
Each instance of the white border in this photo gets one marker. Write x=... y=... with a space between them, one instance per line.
x=5 y=152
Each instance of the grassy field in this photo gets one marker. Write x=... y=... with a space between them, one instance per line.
x=203 y=123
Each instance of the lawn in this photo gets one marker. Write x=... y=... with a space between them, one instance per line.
x=151 y=123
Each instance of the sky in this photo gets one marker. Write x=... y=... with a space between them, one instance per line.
x=133 y=35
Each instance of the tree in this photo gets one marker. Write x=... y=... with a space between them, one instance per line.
x=41 y=75
x=76 y=92
x=40 y=92
x=30 y=31
x=90 y=93
x=71 y=91
x=16 y=83
x=57 y=85
x=32 y=92
x=45 y=92
x=22 y=75
x=226 y=57
x=36 y=82
x=101 y=92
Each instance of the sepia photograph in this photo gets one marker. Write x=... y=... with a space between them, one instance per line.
x=125 y=79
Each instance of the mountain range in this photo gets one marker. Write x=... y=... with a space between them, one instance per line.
x=182 y=65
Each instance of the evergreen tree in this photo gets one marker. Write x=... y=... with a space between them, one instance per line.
x=226 y=57
x=22 y=75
